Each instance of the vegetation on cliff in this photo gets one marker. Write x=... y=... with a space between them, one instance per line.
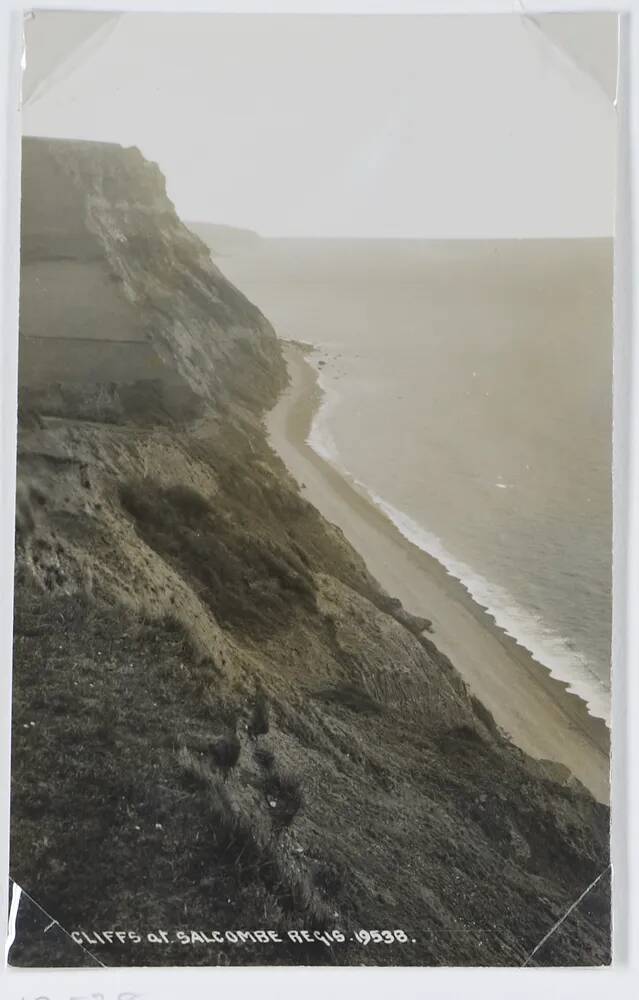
x=220 y=720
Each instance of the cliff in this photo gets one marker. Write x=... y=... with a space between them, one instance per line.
x=104 y=235
x=220 y=719
x=224 y=240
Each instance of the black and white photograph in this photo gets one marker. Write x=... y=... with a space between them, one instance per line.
x=313 y=517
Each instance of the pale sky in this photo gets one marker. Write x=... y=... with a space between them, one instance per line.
x=368 y=126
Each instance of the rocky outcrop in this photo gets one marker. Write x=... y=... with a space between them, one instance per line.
x=169 y=578
x=115 y=288
x=224 y=240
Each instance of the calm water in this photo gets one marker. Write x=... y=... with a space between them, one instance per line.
x=468 y=388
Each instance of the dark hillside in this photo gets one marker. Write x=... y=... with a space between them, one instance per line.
x=221 y=722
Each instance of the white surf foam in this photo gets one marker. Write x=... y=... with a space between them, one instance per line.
x=547 y=647
x=528 y=630
x=320 y=438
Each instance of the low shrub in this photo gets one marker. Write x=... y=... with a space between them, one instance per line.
x=264 y=757
x=351 y=697
x=283 y=791
x=250 y=581
x=259 y=723
x=187 y=501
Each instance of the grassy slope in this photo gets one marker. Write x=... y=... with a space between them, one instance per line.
x=167 y=569
x=414 y=814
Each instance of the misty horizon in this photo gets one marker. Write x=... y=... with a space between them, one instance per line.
x=446 y=127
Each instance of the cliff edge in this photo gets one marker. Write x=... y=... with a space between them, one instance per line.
x=220 y=719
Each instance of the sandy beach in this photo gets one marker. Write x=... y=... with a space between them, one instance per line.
x=536 y=710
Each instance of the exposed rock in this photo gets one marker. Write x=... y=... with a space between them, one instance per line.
x=167 y=565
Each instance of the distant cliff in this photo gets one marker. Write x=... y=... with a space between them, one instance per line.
x=225 y=240
x=220 y=719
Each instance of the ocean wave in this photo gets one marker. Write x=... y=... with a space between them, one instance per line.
x=528 y=630
x=320 y=438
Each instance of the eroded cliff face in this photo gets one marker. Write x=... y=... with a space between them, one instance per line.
x=171 y=582
x=116 y=290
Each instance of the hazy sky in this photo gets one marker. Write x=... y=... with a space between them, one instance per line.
x=426 y=126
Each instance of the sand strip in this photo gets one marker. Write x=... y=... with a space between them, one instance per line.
x=536 y=710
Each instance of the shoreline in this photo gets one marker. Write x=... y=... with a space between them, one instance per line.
x=536 y=710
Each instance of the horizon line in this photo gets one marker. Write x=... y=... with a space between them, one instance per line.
x=403 y=238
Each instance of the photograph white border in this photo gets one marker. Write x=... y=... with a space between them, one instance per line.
x=621 y=980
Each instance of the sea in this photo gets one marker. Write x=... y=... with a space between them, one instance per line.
x=467 y=389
